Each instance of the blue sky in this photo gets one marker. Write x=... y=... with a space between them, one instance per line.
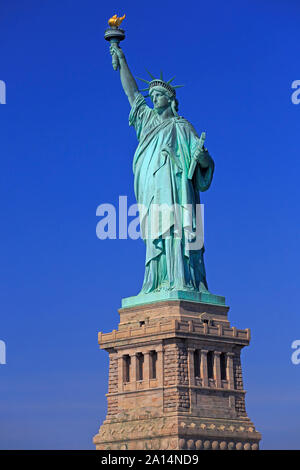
x=66 y=147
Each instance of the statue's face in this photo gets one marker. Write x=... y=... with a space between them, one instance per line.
x=160 y=100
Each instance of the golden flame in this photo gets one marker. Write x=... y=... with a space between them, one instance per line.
x=115 y=21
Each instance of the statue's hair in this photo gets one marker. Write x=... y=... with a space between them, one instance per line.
x=176 y=104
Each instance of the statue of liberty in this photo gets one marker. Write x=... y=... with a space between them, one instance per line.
x=170 y=167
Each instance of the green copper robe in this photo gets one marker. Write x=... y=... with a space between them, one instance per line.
x=160 y=165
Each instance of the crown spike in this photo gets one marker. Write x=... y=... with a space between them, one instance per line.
x=153 y=78
x=159 y=82
x=171 y=80
x=143 y=80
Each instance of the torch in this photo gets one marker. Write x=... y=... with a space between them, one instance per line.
x=114 y=35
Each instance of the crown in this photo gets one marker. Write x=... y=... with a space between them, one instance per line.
x=155 y=82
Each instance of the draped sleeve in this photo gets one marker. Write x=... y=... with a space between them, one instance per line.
x=140 y=114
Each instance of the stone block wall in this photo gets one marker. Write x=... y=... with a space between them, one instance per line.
x=113 y=373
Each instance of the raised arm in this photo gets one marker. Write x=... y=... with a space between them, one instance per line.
x=128 y=82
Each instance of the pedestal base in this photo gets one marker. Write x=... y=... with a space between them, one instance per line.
x=177 y=433
x=175 y=380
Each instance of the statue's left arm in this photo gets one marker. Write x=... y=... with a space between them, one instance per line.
x=203 y=158
x=205 y=166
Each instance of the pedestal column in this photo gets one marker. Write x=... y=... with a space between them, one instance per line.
x=191 y=366
x=203 y=367
x=217 y=369
x=147 y=368
x=160 y=366
x=229 y=370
